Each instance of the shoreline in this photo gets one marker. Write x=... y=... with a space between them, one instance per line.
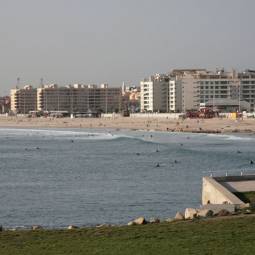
x=208 y=126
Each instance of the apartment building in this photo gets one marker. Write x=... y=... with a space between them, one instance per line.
x=200 y=86
x=154 y=94
x=75 y=98
x=187 y=89
x=53 y=98
x=23 y=100
x=247 y=87
x=175 y=95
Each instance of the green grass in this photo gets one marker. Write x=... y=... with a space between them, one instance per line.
x=233 y=235
x=247 y=197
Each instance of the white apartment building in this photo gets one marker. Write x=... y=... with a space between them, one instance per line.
x=154 y=94
x=175 y=95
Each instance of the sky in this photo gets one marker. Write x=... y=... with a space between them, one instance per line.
x=111 y=41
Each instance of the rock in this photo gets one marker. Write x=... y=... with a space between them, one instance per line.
x=169 y=220
x=190 y=213
x=37 y=227
x=247 y=211
x=131 y=223
x=244 y=206
x=179 y=216
x=216 y=208
x=1 y=228
x=154 y=220
x=140 y=221
x=223 y=212
x=103 y=226
x=72 y=227
x=204 y=213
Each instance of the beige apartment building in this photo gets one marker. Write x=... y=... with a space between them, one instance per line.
x=247 y=83
x=189 y=89
x=198 y=86
x=70 y=99
x=23 y=100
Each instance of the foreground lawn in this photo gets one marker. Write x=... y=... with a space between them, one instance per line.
x=234 y=235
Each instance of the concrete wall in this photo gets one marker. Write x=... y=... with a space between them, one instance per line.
x=156 y=115
x=215 y=193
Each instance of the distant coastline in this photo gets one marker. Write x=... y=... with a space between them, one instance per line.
x=215 y=125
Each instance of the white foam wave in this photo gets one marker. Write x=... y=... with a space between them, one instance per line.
x=232 y=137
x=63 y=134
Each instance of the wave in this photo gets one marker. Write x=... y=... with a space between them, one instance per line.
x=53 y=133
x=232 y=137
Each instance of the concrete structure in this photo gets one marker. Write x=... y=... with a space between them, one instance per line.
x=154 y=94
x=213 y=192
x=23 y=100
x=221 y=190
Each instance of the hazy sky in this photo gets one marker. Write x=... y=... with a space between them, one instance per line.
x=95 y=41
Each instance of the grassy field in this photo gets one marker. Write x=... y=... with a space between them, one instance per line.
x=234 y=235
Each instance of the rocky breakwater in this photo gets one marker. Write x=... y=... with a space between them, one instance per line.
x=205 y=212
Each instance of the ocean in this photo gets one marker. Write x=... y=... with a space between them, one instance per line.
x=59 y=177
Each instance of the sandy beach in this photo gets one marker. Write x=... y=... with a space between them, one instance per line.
x=216 y=125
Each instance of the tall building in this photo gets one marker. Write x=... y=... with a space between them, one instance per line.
x=154 y=94
x=23 y=100
x=175 y=95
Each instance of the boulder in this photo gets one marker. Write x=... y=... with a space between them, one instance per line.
x=140 y=221
x=244 y=206
x=216 y=208
x=223 y=212
x=72 y=227
x=131 y=223
x=103 y=226
x=179 y=216
x=204 y=213
x=190 y=213
x=247 y=211
x=169 y=220
x=154 y=220
x=37 y=227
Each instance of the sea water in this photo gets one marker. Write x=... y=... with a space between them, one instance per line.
x=58 y=177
